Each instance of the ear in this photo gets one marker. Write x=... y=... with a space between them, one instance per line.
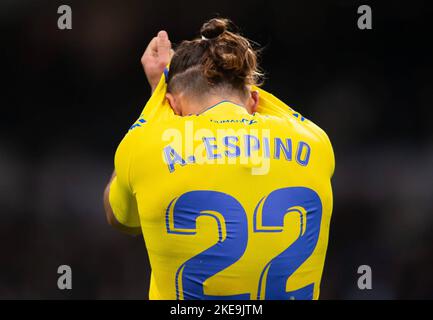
x=253 y=101
x=172 y=101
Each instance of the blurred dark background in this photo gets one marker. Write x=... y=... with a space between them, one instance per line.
x=68 y=96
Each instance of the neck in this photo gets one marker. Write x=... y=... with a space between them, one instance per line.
x=199 y=106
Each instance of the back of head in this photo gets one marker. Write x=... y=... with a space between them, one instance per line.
x=220 y=61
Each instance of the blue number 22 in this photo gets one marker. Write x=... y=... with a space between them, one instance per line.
x=233 y=237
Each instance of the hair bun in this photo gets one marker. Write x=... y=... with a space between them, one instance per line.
x=214 y=27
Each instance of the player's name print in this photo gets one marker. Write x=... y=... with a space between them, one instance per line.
x=252 y=147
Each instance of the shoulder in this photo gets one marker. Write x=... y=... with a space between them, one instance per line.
x=275 y=109
x=145 y=138
x=317 y=132
x=323 y=142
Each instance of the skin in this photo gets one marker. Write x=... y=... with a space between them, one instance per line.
x=155 y=58
x=184 y=105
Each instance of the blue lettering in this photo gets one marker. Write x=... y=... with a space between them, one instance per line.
x=210 y=148
x=266 y=148
x=233 y=146
x=172 y=157
x=303 y=160
x=287 y=149
x=256 y=146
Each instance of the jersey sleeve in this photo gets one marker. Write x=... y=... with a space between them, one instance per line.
x=327 y=147
x=271 y=105
x=157 y=107
x=330 y=154
x=122 y=198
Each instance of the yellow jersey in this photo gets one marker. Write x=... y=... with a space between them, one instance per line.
x=231 y=205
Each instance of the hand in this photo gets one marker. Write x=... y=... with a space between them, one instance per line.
x=156 y=57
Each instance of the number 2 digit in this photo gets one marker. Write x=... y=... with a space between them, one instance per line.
x=181 y=218
x=269 y=217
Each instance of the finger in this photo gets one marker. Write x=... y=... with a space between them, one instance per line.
x=164 y=46
x=152 y=47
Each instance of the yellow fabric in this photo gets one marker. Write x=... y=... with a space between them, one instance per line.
x=146 y=184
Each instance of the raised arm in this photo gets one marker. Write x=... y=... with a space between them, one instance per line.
x=156 y=57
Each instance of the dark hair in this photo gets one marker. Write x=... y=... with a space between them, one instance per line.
x=221 y=58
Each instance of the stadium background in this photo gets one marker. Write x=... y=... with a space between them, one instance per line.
x=68 y=97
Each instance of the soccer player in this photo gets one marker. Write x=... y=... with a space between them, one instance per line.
x=229 y=186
